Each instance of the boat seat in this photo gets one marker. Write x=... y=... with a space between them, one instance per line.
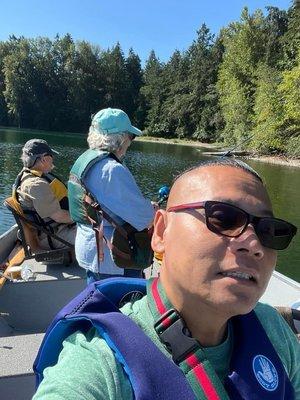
x=28 y=235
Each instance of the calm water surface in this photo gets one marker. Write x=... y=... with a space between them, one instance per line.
x=154 y=165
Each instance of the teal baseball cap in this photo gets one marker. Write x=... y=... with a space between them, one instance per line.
x=112 y=120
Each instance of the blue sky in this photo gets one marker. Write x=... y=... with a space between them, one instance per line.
x=162 y=25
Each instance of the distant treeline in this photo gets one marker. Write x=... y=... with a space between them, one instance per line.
x=244 y=83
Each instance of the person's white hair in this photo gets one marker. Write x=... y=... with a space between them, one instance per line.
x=102 y=141
x=27 y=160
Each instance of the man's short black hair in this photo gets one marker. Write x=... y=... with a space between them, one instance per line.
x=225 y=161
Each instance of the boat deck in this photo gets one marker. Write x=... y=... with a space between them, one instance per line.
x=27 y=308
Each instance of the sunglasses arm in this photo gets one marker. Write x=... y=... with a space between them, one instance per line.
x=189 y=206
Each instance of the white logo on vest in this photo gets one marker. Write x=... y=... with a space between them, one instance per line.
x=131 y=297
x=265 y=372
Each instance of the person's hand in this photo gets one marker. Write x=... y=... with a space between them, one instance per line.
x=155 y=205
x=266 y=373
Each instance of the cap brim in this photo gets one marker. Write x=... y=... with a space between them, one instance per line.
x=135 y=131
x=54 y=151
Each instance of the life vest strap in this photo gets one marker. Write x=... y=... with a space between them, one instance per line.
x=243 y=379
x=185 y=350
x=97 y=225
x=174 y=333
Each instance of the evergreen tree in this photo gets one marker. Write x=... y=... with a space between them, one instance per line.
x=245 y=83
x=176 y=112
x=134 y=73
x=63 y=77
x=4 y=50
x=18 y=78
x=275 y=25
x=291 y=40
x=153 y=92
x=88 y=85
x=205 y=56
x=116 y=79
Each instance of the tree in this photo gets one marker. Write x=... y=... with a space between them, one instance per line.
x=153 y=92
x=4 y=51
x=268 y=112
x=135 y=101
x=291 y=40
x=206 y=55
x=116 y=79
x=87 y=86
x=175 y=108
x=18 y=78
x=275 y=25
x=244 y=50
x=290 y=91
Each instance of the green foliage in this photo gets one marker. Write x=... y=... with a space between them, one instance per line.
x=135 y=100
x=153 y=93
x=290 y=91
x=241 y=87
x=291 y=40
x=275 y=25
x=243 y=43
x=268 y=112
x=181 y=95
x=293 y=147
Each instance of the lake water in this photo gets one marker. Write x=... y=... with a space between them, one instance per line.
x=154 y=165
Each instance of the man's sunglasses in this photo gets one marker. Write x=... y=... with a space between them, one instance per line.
x=228 y=220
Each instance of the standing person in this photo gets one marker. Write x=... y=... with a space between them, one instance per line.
x=112 y=186
x=199 y=332
x=42 y=195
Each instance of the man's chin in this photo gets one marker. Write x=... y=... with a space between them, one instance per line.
x=238 y=306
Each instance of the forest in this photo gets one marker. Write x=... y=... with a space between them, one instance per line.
x=239 y=86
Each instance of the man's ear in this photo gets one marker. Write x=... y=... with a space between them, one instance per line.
x=159 y=227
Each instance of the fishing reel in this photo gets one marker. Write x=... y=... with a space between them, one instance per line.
x=163 y=194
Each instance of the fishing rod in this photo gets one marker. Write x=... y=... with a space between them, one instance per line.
x=228 y=153
x=163 y=192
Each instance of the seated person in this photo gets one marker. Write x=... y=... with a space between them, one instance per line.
x=42 y=196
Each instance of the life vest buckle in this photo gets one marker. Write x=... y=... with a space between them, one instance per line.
x=173 y=332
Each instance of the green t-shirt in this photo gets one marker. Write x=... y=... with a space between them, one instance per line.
x=87 y=368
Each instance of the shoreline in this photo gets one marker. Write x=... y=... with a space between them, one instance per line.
x=279 y=160
x=214 y=147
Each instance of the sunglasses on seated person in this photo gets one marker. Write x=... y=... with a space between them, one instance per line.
x=231 y=221
x=47 y=155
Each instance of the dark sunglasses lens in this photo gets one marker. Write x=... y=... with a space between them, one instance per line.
x=225 y=219
x=275 y=233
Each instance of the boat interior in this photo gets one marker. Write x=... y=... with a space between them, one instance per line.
x=26 y=310
x=28 y=307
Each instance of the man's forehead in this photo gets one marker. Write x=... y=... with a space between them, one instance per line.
x=216 y=181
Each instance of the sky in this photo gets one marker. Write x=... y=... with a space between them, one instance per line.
x=162 y=25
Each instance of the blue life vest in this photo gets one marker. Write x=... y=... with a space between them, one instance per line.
x=256 y=371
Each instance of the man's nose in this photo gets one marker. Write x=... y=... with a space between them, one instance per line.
x=247 y=242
